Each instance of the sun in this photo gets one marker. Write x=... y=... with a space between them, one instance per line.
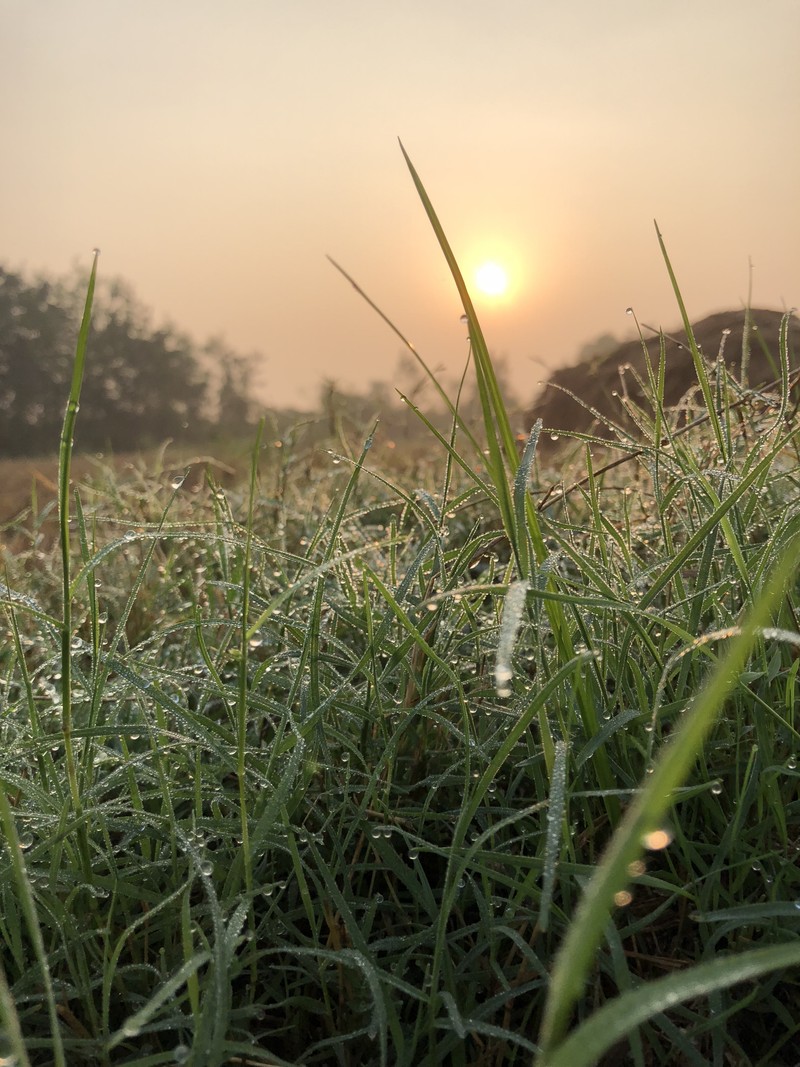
x=491 y=278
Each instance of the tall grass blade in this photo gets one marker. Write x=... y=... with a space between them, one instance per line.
x=502 y=459
x=697 y=358
x=64 y=464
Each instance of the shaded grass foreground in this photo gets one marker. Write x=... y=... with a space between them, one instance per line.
x=323 y=771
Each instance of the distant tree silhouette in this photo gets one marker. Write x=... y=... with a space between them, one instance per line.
x=140 y=386
x=36 y=346
x=235 y=403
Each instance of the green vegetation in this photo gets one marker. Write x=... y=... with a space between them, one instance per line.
x=141 y=384
x=330 y=768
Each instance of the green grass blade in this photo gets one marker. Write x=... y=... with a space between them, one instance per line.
x=28 y=905
x=697 y=359
x=64 y=464
x=502 y=457
x=648 y=809
x=618 y=1018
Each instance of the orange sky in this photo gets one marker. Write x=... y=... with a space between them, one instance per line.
x=216 y=153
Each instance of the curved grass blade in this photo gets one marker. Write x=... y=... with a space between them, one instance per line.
x=648 y=809
x=616 y=1019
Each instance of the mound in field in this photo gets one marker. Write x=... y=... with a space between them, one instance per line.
x=602 y=382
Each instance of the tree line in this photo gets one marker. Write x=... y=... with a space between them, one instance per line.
x=141 y=384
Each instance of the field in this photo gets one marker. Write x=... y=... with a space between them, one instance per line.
x=351 y=761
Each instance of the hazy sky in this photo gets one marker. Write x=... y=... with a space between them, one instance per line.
x=216 y=152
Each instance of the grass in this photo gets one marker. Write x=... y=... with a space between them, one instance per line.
x=327 y=767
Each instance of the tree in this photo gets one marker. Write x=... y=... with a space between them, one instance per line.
x=36 y=351
x=140 y=385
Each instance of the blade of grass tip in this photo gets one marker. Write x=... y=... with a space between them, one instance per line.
x=28 y=906
x=480 y=349
x=783 y=355
x=500 y=438
x=64 y=463
x=640 y=826
x=697 y=359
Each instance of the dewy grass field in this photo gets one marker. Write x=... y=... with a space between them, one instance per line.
x=326 y=769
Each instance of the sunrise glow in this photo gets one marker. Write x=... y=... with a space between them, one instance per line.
x=491 y=278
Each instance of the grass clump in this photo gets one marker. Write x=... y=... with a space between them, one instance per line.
x=334 y=769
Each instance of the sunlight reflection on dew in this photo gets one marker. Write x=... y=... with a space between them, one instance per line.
x=657 y=839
